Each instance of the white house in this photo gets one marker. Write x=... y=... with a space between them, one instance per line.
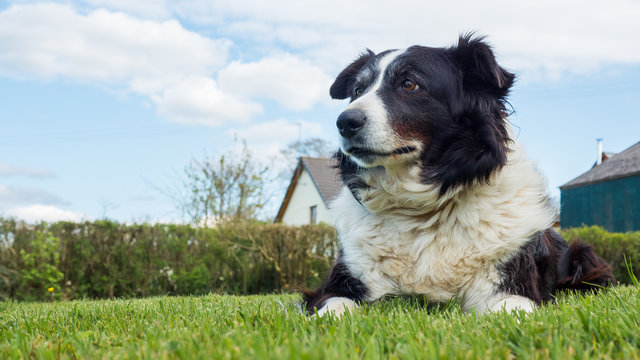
x=314 y=184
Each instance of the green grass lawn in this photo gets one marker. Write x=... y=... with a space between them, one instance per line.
x=606 y=325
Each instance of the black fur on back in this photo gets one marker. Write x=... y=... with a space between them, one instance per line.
x=547 y=264
x=581 y=269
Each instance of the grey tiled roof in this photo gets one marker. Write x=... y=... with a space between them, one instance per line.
x=626 y=163
x=325 y=175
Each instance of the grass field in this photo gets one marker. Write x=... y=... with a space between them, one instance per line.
x=606 y=325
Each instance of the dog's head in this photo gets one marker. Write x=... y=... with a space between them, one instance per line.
x=443 y=108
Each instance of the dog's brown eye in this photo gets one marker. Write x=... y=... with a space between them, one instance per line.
x=357 y=92
x=409 y=85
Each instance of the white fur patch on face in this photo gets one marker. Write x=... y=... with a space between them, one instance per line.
x=366 y=73
x=377 y=134
x=337 y=306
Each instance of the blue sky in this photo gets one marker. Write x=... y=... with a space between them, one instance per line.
x=103 y=102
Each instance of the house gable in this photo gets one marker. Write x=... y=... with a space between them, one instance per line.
x=315 y=182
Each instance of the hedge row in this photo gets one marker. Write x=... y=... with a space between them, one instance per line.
x=104 y=259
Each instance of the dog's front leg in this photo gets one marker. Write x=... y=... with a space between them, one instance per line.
x=513 y=302
x=484 y=296
x=498 y=301
x=339 y=293
x=337 y=306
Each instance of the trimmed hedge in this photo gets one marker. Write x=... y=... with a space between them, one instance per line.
x=613 y=247
x=104 y=259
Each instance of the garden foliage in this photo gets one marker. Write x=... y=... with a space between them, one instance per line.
x=105 y=259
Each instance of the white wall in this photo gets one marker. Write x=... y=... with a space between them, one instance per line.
x=305 y=195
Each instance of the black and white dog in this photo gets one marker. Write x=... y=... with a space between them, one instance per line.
x=440 y=199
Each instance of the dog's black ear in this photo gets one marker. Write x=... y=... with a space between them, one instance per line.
x=480 y=71
x=344 y=81
x=474 y=146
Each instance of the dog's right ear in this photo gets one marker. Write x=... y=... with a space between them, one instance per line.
x=344 y=81
x=481 y=72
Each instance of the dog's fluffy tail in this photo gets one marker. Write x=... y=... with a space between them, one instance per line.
x=581 y=269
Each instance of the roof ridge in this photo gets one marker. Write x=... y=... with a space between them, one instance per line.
x=624 y=164
x=324 y=175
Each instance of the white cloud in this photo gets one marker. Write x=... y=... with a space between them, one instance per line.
x=39 y=212
x=54 y=40
x=287 y=79
x=200 y=101
x=7 y=170
x=154 y=9
x=278 y=131
x=161 y=60
x=544 y=37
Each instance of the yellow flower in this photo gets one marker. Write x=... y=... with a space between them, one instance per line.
x=50 y=289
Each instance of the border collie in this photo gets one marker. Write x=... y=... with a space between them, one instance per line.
x=439 y=198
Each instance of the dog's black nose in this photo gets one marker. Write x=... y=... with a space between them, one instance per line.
x=349 y=122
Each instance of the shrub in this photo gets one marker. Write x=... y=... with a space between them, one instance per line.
x=105 y=259
x=613 y=247
x=195 y=281
x=40 y=267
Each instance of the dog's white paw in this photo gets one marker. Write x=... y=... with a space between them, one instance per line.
x=337 y=306
x=513 y=302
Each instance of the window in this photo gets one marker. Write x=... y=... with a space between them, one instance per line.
x=313 y=215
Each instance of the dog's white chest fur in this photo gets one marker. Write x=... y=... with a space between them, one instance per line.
x=410 y=240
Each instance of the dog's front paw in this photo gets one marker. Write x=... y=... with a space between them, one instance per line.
x=513 y=302
x=337 y=306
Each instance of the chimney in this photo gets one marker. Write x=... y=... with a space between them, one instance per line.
x=599 y=161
